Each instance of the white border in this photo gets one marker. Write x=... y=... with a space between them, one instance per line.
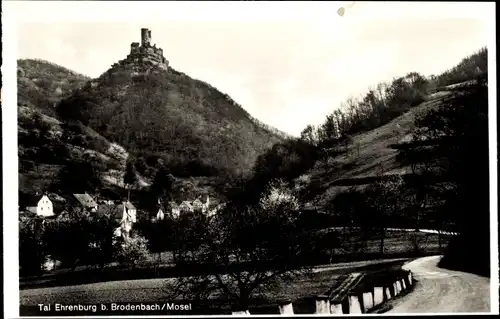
x=10 y=169
x=492 y=127
x=30 y=11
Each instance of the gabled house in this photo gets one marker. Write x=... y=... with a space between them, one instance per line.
x=126 y=215
x=186 y=206
x=131 y=211
x=85 y=201
x=206 y=205
x=197 y=205
x=160 y=215
x=39 y=205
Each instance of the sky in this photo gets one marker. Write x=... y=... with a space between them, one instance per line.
x=288 y=65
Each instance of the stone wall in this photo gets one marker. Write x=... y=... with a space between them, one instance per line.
x=352 y=302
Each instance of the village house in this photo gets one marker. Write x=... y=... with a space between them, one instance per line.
x=205 y=207
x=199 y=206
x=160 y=215
x=186 y=206
x=40 y=205
x=126 y=215
x=84 y=201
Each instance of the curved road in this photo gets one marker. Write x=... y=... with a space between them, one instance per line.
x=442 y=290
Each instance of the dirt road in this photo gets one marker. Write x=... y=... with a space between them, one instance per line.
x=442 y=290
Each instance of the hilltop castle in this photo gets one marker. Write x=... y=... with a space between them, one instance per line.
x=144 y=53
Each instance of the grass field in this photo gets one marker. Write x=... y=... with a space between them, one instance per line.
x=301 y=291
x=397 y=244
x=370 y=154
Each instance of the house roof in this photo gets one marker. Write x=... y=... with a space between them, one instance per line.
x=85 y=200
x=173 y=205
x=116 y=211
x=129 y=205
x=32 y=199
x=197 y=202
x=160 y=214
x=187 y=204
x=31 y=209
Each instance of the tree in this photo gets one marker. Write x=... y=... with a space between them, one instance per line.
x=352 y=210
x=70 y=240
x=310 y=135
x=159 y=234
x=188 y=236
x=163 y=183
x=450 y=149
x=386 y=199
x=256 y=246
x=101 y=228
x=140 y=165
x=286 y=160
x=77 y=177
x=132 y=250
x=32 y=249
x=42 y=127
x=130 y=177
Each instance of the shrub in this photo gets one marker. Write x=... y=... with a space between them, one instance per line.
x=132 y=250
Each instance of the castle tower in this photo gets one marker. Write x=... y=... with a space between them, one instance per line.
x=145 y=37
x=134 y=47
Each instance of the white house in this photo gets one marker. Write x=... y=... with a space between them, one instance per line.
x=186 y=206
x=41 y=206
x=206 y=205
x=160 y=215
x=197 y=205
x=127 y=215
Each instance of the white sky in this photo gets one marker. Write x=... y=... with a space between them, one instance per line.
x=286 y=64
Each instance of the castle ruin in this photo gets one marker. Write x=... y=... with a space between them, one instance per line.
x=144 y=53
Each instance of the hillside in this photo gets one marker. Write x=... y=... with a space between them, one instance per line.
x=192 y=127
x=158 y=117
x=46 y=143
x=42 y=84
x=371 y=154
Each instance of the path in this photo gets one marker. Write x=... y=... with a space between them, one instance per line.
x=442 y=290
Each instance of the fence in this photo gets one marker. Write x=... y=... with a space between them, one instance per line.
x=344 y=299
